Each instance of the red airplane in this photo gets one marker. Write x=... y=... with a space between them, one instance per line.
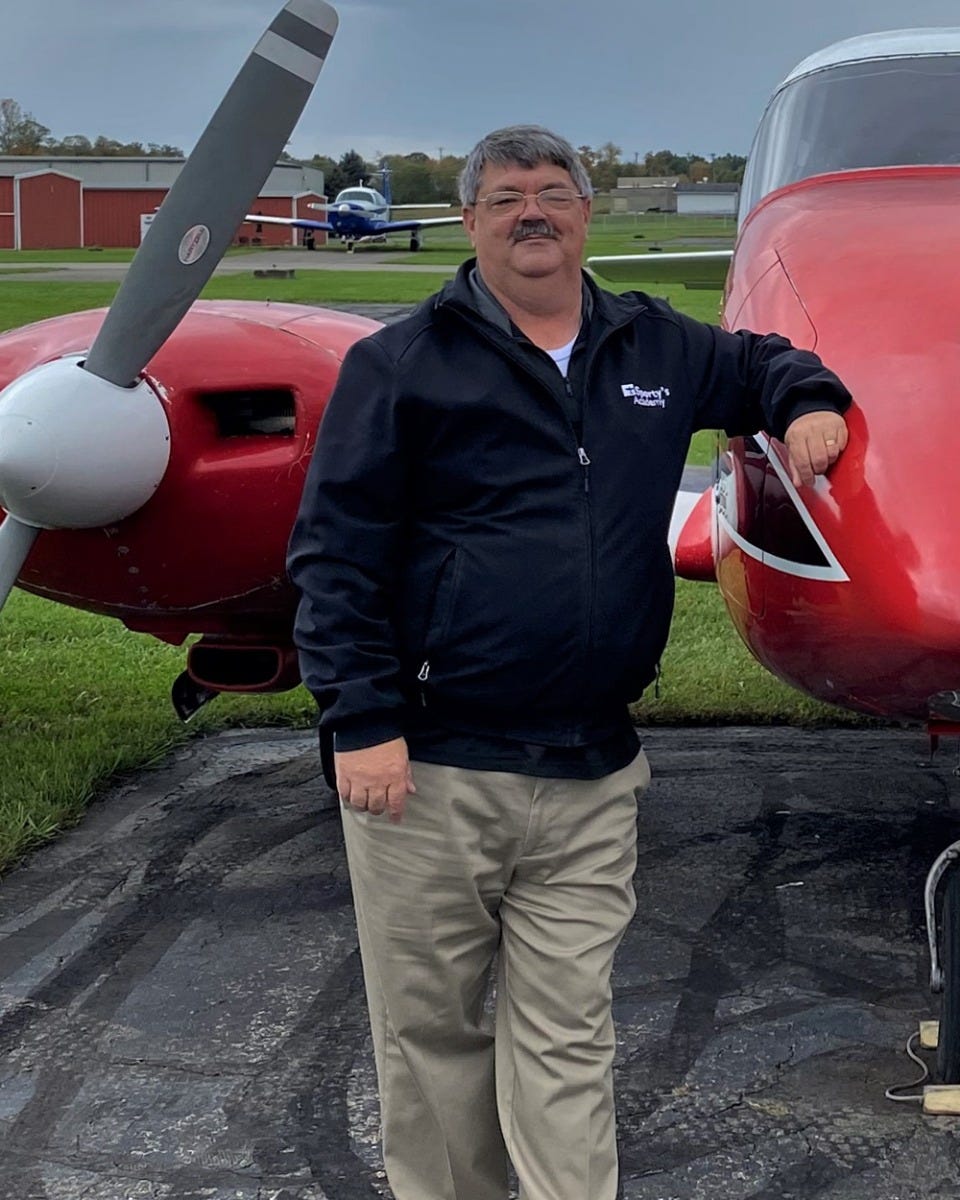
x=849 y=589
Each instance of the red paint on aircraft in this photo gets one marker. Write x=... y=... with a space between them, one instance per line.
x=856 y=265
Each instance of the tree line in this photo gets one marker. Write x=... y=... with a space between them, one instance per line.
x=414 y=177
x=22 y=133
x=418 y=177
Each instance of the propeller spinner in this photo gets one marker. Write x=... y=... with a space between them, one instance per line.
x=85 y=442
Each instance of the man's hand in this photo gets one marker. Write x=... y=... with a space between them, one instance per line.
x=376 y=778
x=814 y=443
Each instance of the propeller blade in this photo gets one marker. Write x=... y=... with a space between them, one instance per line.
x=16 y=540
x=223 y=175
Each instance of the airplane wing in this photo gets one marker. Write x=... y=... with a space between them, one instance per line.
x=401 y=207
x=397 y=226
x=290 y=222
x=694 y=269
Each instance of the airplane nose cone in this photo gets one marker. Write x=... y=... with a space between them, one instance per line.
x=76 y=451
x=28 y=458
x=344 y=208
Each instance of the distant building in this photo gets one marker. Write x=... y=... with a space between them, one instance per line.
x=61 y=203
x=708 y=199
x=645 y=193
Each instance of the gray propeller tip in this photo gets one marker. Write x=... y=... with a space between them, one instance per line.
x=315 y=12
x=299 y=37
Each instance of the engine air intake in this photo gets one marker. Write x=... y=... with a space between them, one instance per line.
x=253 y=413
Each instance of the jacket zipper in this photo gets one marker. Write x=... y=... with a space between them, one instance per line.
x=578 y=435
x=585 y=463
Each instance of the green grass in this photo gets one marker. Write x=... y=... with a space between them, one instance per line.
x=30 y=300
x=91 y=254
x=85 y=700
x=616 y=234
x=329 y=287
x=34 y=300
x=703 y=448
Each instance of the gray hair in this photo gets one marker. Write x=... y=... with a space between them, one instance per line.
x=525 y=146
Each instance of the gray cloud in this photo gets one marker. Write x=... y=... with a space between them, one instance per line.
x=691 y=75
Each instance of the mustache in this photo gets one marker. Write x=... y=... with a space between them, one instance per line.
x=537 y=228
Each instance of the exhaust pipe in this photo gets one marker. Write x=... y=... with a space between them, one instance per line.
x=219 y=665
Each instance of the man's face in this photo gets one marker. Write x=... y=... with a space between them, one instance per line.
x=530 y=244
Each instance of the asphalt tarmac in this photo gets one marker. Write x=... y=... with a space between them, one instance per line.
x=181 y=1006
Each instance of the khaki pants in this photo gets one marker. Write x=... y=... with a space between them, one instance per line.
x=541 y=871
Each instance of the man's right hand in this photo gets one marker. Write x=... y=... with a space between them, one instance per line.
x=375 y=779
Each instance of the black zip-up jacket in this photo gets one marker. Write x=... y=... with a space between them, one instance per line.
x=461 y=544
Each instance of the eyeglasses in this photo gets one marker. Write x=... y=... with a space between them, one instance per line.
x=511 y=204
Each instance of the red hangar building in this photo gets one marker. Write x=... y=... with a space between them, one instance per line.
x=61 y=203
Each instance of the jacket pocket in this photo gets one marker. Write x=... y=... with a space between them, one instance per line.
x=443 y=595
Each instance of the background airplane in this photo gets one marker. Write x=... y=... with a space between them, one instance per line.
x=849 y=589
x=360 y=214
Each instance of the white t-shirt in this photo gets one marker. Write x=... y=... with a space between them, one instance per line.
x=561 y=356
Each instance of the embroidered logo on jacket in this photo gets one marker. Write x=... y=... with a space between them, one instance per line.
x=646 y=397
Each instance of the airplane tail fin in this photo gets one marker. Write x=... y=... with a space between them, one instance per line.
x=385 y=180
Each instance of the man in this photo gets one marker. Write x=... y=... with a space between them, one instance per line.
x=486 y=584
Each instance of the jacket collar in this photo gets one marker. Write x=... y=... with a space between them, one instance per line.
x=611 y=309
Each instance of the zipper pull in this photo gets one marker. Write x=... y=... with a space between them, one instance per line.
x=424 y=673
x=585 y=463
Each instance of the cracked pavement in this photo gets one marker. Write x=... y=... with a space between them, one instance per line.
x=181 y=1006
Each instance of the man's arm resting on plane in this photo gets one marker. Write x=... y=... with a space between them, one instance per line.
x=814 y=442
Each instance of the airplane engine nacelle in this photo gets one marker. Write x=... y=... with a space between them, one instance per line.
x=243 y=386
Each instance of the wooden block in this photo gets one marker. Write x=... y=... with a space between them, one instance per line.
x=929 y=1035
x=942 y=1099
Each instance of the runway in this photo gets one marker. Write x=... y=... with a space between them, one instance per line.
x=181 y=1009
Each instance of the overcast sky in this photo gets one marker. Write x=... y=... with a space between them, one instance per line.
x=404 y=75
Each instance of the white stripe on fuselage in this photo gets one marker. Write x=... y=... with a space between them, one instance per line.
x=831 y=571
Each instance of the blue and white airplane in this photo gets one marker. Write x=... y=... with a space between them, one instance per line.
x=360 y=214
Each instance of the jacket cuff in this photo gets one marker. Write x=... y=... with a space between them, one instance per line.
x=363 y=732
x=802 y=407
